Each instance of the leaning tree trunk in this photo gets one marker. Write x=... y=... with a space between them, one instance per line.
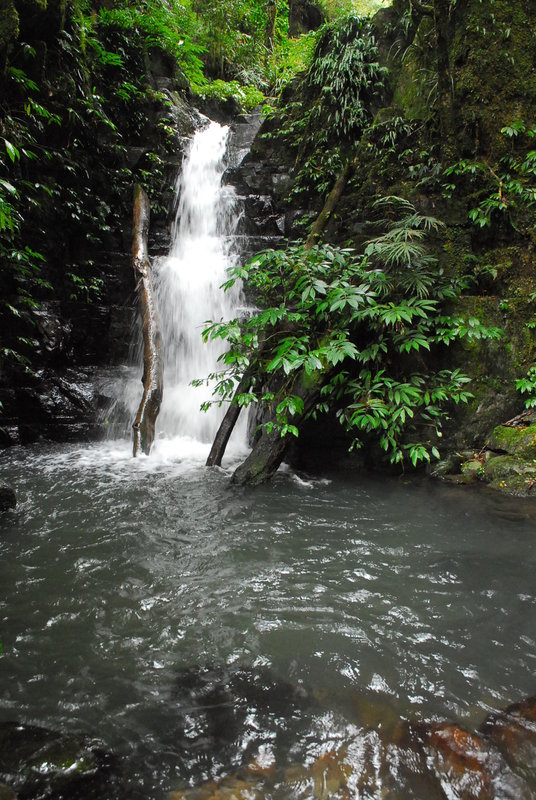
x=329 y=206
x=144 y=423
x=264 y=460
x=270 y=448
x=229 y=421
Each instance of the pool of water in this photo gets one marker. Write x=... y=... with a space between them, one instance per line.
x=192 y=625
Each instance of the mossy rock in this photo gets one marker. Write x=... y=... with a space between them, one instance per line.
x=511 y=475
x=493 y=54
x=507 y=467
x=507 y=473
x=472 y=469
x=520 y=442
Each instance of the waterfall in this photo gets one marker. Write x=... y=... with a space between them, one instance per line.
x=187 y=288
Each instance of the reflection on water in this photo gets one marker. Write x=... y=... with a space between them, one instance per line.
x=196 y=627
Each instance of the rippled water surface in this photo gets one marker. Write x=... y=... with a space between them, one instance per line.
x=141 y=599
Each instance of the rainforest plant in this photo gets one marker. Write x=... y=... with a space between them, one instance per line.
x=506 y=190
x=355 y=331
x=333 y=106
x=506 y=196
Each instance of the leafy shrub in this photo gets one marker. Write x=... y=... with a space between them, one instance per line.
x=356 y=331
x=246 y=97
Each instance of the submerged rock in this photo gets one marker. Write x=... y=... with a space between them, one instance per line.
x=224 y=712
x=513 y=731
x=8 y=498
x=41 y=764
x=385 y=756
x=467 y=765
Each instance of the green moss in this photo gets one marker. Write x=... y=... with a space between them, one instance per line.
x=511 y=475
x=494 y=58
x=9 y=23
x=520 y=442
x=503 y=468
x=472 y=469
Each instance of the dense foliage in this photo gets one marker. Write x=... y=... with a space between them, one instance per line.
x=333 y=103
x=65 y=180
x=78 y=95
x=79 y=99
x=353 y=332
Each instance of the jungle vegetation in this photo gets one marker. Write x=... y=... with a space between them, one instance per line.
x=413 y=174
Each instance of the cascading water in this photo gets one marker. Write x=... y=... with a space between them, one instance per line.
x=188 y=292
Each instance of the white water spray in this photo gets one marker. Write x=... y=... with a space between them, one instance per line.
x=188 y=292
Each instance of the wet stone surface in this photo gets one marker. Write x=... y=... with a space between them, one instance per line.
x=37 y=763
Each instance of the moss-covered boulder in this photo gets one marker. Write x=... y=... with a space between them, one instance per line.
x=507 y=473
x=514 y=441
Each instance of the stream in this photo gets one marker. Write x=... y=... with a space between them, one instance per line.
x=289 y=635
x=127 y=586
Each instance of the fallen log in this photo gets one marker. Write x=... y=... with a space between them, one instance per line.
x=153 y=368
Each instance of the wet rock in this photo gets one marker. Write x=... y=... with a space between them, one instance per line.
x=134 y=155
x=509 y=474
x=447 y=466
x=514 y=732
x=258 y=217
x=223 y=715
x=229 y=788
x=8 y=498
x=52 y=405
x=506 y=467
x=473 y=468
x=243 y=132
x=328 y=776
x=514 y=441
x=54 y=333
x=186 y=120
x=466 y=764
x=41 y=764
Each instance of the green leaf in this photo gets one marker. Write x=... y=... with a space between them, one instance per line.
x=12 y=151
